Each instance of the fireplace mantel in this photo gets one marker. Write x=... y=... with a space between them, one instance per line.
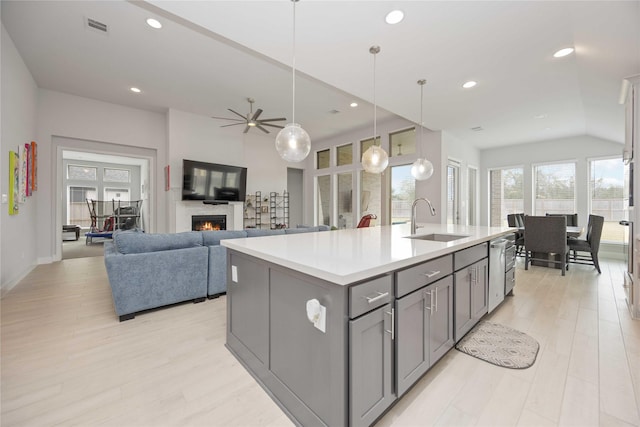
x=184 y=211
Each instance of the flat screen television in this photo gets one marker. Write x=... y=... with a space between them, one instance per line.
x=213 y=182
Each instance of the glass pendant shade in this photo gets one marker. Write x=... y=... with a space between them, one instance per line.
x=293 y=143
x=422 y=169
x=375 y=159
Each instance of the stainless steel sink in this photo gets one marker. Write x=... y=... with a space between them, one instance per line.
x=438 y=237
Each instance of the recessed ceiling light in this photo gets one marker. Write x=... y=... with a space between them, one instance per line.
x=353 y=105
x=563 y=52
x=135 y=89
x=394 y=17
x=469 y=84
x=154 y=23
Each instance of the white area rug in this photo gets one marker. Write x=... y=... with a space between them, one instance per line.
x=500 y=345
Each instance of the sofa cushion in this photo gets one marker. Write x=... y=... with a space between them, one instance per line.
x=135 y=243
x=256 y=232
x=300 y=230
x=212 y=238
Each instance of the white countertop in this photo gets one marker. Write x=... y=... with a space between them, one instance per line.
x=347 y=256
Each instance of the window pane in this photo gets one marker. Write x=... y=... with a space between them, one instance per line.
x=116 y=175
x=323 y=199
x=555 y=189
x=322 y=158
x=77 y=208
x=607 y=196
x=472 y=196
x=371 y=194
x=344 y=155
x=403 y=142
x=366 y=143
x=121 y=194
x=345 y=194
x=85 y=173
x=403 y=193
x=506 y=194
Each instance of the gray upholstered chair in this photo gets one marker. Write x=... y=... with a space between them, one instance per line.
x=572 y=219
x=517 y=220
x=591 y=244
x=545 y=235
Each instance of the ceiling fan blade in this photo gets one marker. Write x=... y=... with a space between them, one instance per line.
x=257 y=114
x=227 y=118
x=235 y=112
x=246 y=129
x=274 y=120
x=273 y=126
x=262 y=129
x=232 y=124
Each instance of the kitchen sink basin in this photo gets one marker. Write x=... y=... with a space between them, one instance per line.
x=438 y=237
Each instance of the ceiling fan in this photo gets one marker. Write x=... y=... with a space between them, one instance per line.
x=252 y=119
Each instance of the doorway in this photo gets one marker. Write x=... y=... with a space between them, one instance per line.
x=453 y=192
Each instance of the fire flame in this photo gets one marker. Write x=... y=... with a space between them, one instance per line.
x=208 y=226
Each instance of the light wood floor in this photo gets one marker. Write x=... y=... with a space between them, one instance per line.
x=66 y=360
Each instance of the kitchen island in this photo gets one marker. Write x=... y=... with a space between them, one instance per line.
x=336 y=326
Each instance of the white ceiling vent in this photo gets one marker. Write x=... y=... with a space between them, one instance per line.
x=334 y=111
x=477 y=129
x=96 y=25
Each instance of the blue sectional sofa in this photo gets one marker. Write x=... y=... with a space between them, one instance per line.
x=148 y=271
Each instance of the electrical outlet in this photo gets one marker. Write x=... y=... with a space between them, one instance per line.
x=5 y=199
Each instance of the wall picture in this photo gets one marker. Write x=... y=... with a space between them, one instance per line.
x=27 y=152
x=23 y=175
x=34 y=166
x=14 y=182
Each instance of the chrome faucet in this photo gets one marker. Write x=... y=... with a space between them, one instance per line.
x=413 y=212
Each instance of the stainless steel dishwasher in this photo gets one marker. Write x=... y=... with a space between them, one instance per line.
x=497 y=264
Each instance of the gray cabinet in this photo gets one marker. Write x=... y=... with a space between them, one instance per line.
x=471 y=296
x=370 y=365
x=424 y=328
x=248 y=313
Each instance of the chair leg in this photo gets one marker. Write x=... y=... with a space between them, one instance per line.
x=594 y=257
x=526 y=260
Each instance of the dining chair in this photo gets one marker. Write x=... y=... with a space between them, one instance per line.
x=517 y=220
x=591 y=244
x=543 y=236
x=572 y=219
x=365 y=221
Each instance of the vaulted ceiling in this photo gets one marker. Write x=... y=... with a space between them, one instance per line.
x=213 y=55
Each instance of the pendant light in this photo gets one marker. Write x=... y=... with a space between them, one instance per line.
x=293 y=143
x=375 y=159
x=422 y=168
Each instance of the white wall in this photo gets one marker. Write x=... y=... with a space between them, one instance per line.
x=18 y=254
x=579 y=149
x=195 y=137
x=67 y=121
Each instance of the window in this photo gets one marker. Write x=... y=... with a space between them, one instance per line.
x=345 y=194
x=121 y=194
x=116 y=175
x=606 y=196
x=506 y=194
x=453 y=192
x=83 y=173
x=77 y=210
x=403 y=142
x=322 y=159
x=554 y=188
x=371 y=194
x=323 y=205
x=472 y=192
x=366 y=143
x=344 y=155
x=403 y=193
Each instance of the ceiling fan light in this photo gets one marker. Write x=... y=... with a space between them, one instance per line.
x=422 y=169
x=375 y=159
x=293 y=143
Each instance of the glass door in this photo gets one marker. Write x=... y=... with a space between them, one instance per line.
x=453 y=192
x=403 y=193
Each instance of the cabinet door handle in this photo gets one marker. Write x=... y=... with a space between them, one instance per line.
x=393 y=324
x=431 y=273
x=430 y=300
x=436 y=299
x=378 y=297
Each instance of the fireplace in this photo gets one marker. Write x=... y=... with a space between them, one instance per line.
x=208 y=222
